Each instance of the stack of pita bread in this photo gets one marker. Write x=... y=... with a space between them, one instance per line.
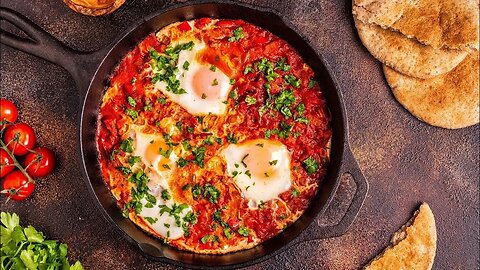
x=429 y=51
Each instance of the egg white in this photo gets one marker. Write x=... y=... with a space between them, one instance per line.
x=159 y=181
x=260 y=186
x=193 y=102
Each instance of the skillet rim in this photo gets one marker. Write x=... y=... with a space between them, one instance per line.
x=340 y=153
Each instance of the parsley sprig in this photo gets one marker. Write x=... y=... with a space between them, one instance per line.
x=165 y=66
x=27 y=248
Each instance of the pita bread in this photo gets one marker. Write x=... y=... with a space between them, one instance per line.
x=452 y=24
x=412 y=247
x=407 y=55
x=381 y=12
x=449 y=101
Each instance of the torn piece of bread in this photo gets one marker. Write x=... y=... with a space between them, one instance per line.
x=449 y=101
x=412 y=247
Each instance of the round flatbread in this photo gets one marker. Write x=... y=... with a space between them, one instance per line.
x=449 y=101
x=452 y=24
x=412 y=247
x=407 y=55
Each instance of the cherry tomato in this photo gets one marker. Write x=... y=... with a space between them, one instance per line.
x=17 y=186
x=6 y=163
x=19 y=138
x=41 y=163
x=8 y=111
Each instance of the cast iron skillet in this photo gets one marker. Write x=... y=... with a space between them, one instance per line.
x=91 y=72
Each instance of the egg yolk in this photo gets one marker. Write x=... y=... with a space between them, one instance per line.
x=260 y=162
x=152 y=154
x=205 y=83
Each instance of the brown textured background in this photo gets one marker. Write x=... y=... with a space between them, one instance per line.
x=405 y=160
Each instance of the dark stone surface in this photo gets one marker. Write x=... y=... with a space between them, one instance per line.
x=406 y=161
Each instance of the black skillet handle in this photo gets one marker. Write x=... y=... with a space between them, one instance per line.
x=45 y=46
x=349 y=166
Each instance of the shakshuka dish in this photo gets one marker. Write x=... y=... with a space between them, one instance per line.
x=213 y=135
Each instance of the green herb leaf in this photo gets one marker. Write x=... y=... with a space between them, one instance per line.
x=237 y=35
x=131 y=101
x=250 y=100
x=243 y=231
x=231 y=138
x=151 y=220
x=311 y=165
x=292 y=80
x=233 y=94
x=134 y=159
x=161 y=100
x=211 y=193
x=295 y=192
x=186 y=64
x=127 y=145
x=166 y=195
x=182 y=162
x=132 y=113
x=248 y=69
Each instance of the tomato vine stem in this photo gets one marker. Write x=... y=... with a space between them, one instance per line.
x=15 y=162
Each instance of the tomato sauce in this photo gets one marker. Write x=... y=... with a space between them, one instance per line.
x=305 y=139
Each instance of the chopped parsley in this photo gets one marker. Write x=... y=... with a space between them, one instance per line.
x=232 y=81
x=266 y=67
x=179 y=126
x=132 y=113
x=248 y=174
x=133 y=159
x=166 y=166
x=166 y=195
x=186 y=64
x=131 y=101
x=285 y=130
x=151 y=220
x=300 y=108
x=243 y=231
x=166 y=153
x=213 y=68
x=133 y=80
x=208 y=140
x=237 y=35
x=292 y=80
x=231 y=138
x=311 y=166
x=248 y=69
x=215 y=82
x=186 y=145
x=199 y=155
x=125 y=170
x=161 y=100
x=250 y=100
x=204 y=96
x=211 y=193
x=295 y=192
x=282 y=65
x=311 y=83
x=209 y=238
x=182 y=162
x=127 y=145
x=233 y=94
x=148 y=106
x=165 y=66
x=273 y=162
x=197 y=191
